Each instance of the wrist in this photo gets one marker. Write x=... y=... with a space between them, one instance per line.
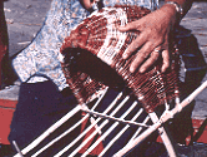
x=170 y=12
x=177 y=6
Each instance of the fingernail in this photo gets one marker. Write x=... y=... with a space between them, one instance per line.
x=162 y=69
x=142 y=70
x=125 y=55
x=132 y=69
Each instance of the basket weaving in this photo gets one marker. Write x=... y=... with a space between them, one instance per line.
x=97 y=37
x=115 y=123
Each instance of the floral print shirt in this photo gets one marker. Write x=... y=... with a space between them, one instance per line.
x=41 y=59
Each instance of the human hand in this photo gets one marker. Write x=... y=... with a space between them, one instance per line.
x=89 y=3
x=153 y=39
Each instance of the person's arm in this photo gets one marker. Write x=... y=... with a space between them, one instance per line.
x=184 y=4
x=153 y=39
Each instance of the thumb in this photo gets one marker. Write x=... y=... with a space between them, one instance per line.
x=127 y=27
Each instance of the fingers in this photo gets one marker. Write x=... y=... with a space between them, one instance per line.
x=142 y=62
x=137 y=43
x=141 y=39
x=147 y=46
x=127 y=27
x=151 y=60
x=166 y=60
x=142 y=55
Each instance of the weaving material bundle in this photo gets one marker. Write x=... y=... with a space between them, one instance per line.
x=93 y=59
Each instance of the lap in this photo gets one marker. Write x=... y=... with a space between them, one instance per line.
x=39 y=106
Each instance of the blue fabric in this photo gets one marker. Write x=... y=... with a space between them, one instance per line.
x=40 y=105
